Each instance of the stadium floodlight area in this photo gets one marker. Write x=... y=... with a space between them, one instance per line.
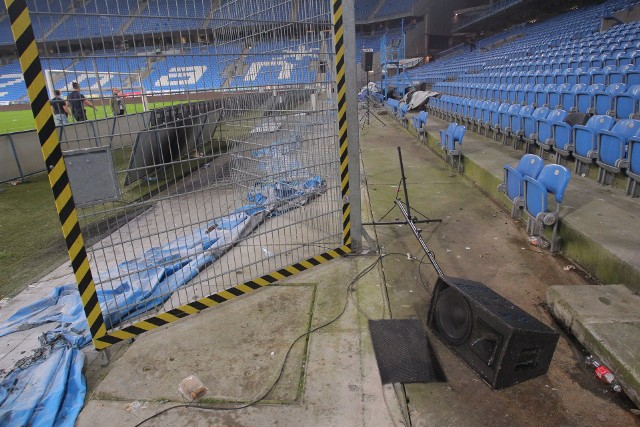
x=224 y=174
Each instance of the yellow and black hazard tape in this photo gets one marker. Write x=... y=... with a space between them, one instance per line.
x=36 y=88
x=338 y=41
x=197 y=306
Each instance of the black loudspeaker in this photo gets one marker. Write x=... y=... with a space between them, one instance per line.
x=497 y=339
x=367 y=60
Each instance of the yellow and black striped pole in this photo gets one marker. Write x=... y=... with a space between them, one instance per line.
x=36 y=88
x=338 y=41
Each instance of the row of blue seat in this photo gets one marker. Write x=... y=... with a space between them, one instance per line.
x=607 y=74
x=618 y=100
x=601 y=139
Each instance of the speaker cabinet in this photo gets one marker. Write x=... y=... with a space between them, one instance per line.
x=367 y=59
x=498 y=340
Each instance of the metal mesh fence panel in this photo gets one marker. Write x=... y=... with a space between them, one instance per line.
x=201 y=143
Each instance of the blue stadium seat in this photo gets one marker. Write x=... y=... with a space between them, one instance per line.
x=453 y=153
x=559 y=77
x=633 y=171
x=393 y=105
x=570 y=76
x=445 y=135
x=419 y=122
x=531 y=126
x=585 y=98
x=505 y=120
x=585 y=140
x=612 y=149
x=497 y=117
x=401 y=114
x=487 y=114
x=517 y=124
x=540 y=96
x=552 y=181
x=568 y=99
x=480 y=113
x=513 y=183
x=604 y=100
x=627 y=103
x=585 y=75
x=545 y=137
x=555 y=95
x=630 y=74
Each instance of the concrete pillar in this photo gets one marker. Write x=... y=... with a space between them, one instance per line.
x=355 y=197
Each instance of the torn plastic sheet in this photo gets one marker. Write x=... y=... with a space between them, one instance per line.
x=48 y=388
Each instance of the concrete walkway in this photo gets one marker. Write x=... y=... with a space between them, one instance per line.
x=330 y=377
x=598 y=223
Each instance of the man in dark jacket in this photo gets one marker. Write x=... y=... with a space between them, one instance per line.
x=60 y=110
x=76 y=101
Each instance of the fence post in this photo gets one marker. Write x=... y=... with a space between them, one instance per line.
x=344 y=42
x=56 y=169
x=17 y=159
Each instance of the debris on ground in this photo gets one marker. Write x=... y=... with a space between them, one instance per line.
x=192 y=388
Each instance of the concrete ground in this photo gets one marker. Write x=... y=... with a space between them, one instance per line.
x=330 y=376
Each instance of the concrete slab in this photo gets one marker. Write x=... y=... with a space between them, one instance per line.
x=596 y=220
x=477 y=240
x=235 y=350
x=606 y=320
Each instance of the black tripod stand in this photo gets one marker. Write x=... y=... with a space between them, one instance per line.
x=397 y=202
x=365 y=119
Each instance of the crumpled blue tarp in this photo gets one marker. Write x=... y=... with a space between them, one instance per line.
x=48 y=388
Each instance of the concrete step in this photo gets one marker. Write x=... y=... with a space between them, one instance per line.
x=598 y=223
x=606 y=320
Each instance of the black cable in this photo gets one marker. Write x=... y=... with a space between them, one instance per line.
x=253 y=402
x=422 y=280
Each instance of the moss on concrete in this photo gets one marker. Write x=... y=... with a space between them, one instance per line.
x=601 y=264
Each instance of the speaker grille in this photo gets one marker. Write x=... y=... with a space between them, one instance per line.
x=453 y=316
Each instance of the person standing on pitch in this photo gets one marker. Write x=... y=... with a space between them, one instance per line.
x=60 y=110
x=117 y=105
x=77 y=101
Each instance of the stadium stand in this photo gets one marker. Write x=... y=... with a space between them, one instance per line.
x=92 y=19
x=531 y=87
x=12 y=88
x=262 y=10
x=372 y=41
x=161 y=16
x=392 y=8
x=364 y=9
x=265 y=66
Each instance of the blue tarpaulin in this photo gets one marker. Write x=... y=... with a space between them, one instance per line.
x=48 y=388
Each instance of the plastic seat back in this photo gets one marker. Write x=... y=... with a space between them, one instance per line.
x=505 y=118
x=554 y=96
x=634 y=155
x=584 y=99
x=612 y=148
x=568 y=98
x=585 y=138
x=531 y=124
x=517 y=123
x=496 y=118
x=545 y=127
x=458 y=134
x=553 y=179
x=627 y=103
x=604 y=100
x=529 y=165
